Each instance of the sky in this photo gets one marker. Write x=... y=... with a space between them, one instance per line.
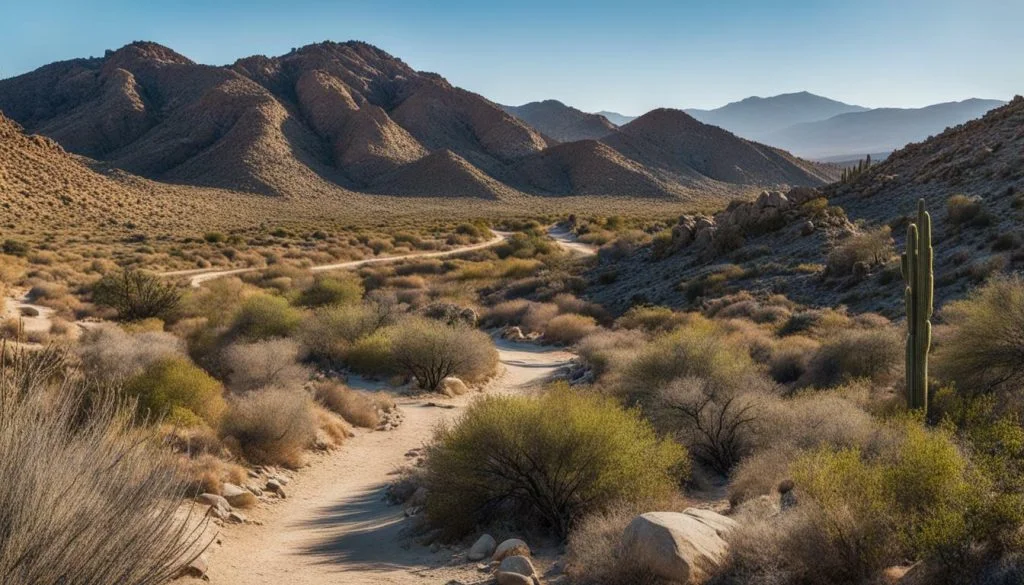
x=627 y=57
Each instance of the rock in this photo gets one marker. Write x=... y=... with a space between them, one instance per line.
x=254 y=489
x=275 y=486
x=514 y=334
x=197 y=568
x=516 y=570
x=281 y=479
x=215 y=501
x=801 y=195
x=236 y=518
x=237 y=496
x=513 y=579
x=807 y=229
x=217 y=512
x=419 y=497
x=452 y=386
x=686 y=547
x=482 y=548
x=510 y=547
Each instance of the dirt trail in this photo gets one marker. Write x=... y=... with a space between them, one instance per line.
x=335 y=526
x=200 y=275
x=566 y=239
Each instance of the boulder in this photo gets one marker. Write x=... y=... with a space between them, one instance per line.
x=515 y=570
x=275 y=486
x=197 y=568
x=801 y=195
x=215 y=501
x=511 y=547
x=452 y=386
x=237 y=496
x=686 y=547
x=482 y=548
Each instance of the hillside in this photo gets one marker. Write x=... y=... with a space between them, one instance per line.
x=781 y=242
x=616 y=118
x=333 y=120
x=756 y=118
x=875 y=131
x=561 y=122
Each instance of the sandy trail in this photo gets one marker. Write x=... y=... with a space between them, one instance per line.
x=566 y=239
x=335 y=526
x=198 y=276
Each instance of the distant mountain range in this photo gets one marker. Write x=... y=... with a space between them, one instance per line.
x=757 y=118
x=332 y=119
x=617 y=118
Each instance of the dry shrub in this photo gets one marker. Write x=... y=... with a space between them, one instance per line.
x=332 y=430
x=790 y=358
x=504 y=456
x=961 y=209
x=594 y=553
x=651 y=318
x=61 y=328
x=569 y=328
x=274 y=362
x=567 y=303
x=271 y=426
x=606 y=350
x=505 y=313
x=108 y=352
x=206 y=474
x=538 y=315
x=217 y=300
x=11 y=328
x=355 y=407
x=265 y=316
x=875 y=354
x=761 y=473
x=329 y=333
x=85 y=500
x=175 y=389
x=332 y=290
x=431 y=351
x=411 y=282
x=816 y=323
x=137 y=295
x=873 y=247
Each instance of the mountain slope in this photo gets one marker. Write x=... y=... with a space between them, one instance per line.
x=561 y=122
x=617 y=118
x=756 y=117
x=879 y=130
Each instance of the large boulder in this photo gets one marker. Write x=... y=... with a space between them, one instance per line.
x=482 y=548
x=511 y=547
x=237 y=496
x=687 y=547
x=515 y=570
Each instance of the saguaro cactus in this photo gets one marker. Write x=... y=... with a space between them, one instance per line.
x=919 y=294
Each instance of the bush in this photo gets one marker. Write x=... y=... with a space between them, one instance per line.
x=330 y=290
x=109 y=353
x=272 y=426
x=84 y=501
x=217 y=300
x=873 y=248
x=552 y=458
x=873 y=354
x=505 y=313
x=329 y=333
x=431 y=351
x=264 y=316
x=371 y=355
x=137 y=295
x=355 y=407
x=274 y=362
x=569 y=328
x=175 y=388
x=594 y=551
x=651 y=318
x=961 y=209
x=790 y=358
x=984 y=350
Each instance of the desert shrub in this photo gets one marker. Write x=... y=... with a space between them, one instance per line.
x=815 y=419
x=206 y=474
x=15 y=248
x=984 y=349
x=569 y=328
x=330 y=331
x=652 y=318
x=272 y=426
x=538 y=315
x=272 y=362
x=761 y=473
x=371 y=355
x=110 y=353
x=217 y=300
x=594 y=553
x=605 y=350
x=137 y=295
x=505 y=313
x=177 y=390
x=568 y=303
x=816 y=323
x=525 y=245
x=355 y=407
x=68 y=481
x=872 y=247
x=506 y=456
x=264 y=316
x=332 y=290
x=875 y=354
x=430 y=351
x=790 y=358
x=961 y=209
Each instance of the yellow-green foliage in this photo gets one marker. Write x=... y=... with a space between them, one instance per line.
x=508 y=268
x=332 y=290
x=179 y=390
x=557 y=457
x=264 y=316
x=431 y=351
x=652 y=318
x=330 y=331
x=217 y=300
x=371 y=355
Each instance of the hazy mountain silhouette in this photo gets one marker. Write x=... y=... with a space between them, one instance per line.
x=756 y=118
x=561 y=122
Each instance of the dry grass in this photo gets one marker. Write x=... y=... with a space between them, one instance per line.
x=263 y=364
x=355 y=407
x=272 y=426
x=569 y=328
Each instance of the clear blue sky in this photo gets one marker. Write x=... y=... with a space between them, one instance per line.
x=624 y=56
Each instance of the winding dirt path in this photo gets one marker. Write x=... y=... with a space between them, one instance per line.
x=567 y=240
x=335 y=526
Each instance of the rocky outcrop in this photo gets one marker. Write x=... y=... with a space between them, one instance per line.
x=482 y=548
x=685 y=547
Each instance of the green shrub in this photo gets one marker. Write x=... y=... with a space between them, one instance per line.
x=330 y=331
x=984 y=351
x=961 y=209
x=15 y=248
x=552 y=459
x=431 y=351
x=328 y=290
x=215 y=237
x=177 y=389
x=872 y=248
x=371 y=355
x=874 y=354
x=651 y=318
x=263 y=316
x=569 y=328
x=271 y=427
x=217 y=300
x=137 y=295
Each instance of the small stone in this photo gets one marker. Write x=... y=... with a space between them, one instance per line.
x=214 y=500
x=482 y=548
x=197 y=568
x=237 y=496
x=236 y=518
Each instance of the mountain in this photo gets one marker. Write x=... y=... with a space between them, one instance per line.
x=879 y=130
x=334 y=120
x=561 y=122
x=616 y=118
x=756 y=118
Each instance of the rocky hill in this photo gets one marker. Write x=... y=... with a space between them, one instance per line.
x=561 y=122
x=826 y=247
x=335 y=118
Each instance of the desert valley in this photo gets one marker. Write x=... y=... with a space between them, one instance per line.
x=323 y=318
